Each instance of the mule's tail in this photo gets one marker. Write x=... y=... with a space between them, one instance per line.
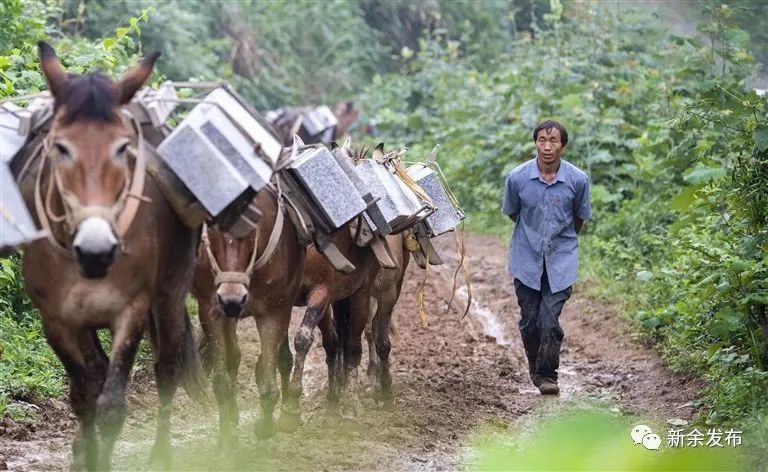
x=188 y=368
x=191 y=374
x=341 y=316
x=394 y=333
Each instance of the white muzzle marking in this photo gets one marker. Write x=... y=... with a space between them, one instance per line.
x=94 y=236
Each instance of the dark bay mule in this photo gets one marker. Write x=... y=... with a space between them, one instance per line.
x=268 y=294
x=114 y=260
x=386 y=291
x=236 y=278
x=349 y=296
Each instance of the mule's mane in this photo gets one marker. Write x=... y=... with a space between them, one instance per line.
x=359 y=152
x=88 y=97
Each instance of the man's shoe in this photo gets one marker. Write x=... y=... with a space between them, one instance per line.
x=549 y=388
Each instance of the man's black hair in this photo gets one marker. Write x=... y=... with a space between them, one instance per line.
x=549 y=124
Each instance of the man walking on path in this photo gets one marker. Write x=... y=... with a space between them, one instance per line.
x=548 y=199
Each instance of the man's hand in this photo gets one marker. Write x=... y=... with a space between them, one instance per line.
x=579 y=224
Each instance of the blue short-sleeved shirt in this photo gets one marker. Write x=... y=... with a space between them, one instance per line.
x=545 y=230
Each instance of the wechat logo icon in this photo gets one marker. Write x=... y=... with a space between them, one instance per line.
x=642 y=434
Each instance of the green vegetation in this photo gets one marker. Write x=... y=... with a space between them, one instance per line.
x=676 y=149
x=588 y=438
x=674 y=142
x=29 y=370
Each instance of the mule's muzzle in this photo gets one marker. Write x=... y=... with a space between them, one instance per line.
x=233 y=305
x=95 y=247
x=94 y=265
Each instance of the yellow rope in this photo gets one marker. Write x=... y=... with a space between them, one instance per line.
x=411 y=184
x=461 y=251
x=420 y=297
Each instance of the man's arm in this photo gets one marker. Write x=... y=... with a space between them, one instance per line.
x=510 y=204
x=581 y=208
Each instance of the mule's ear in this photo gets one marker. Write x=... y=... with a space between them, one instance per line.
x=51 y=67
x=135 y=78
x=297 y=143
x=378 y=152
x=348 y=143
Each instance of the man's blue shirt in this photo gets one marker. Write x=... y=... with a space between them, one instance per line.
x=545 y=231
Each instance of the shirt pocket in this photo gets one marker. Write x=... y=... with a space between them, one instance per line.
x=562 y=208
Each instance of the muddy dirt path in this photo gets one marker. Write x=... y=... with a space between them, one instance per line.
x=450 y=378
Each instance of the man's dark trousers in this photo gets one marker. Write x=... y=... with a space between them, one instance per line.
x=540 y=328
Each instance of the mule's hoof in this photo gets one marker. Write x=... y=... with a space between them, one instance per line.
x=264 y=429
x=370 y=391
x=228 y=442
x=349 y=412
x=388 y=404
x=160 y=458
x=288 y=422
x=332 y=397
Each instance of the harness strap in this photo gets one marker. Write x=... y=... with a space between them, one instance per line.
x=42 y=213
x=135 y=194
x=119 y=215
x=274 y=237
x=220 y=277
x=232 y=277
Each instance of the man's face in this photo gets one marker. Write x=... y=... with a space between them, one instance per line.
x=549 y=145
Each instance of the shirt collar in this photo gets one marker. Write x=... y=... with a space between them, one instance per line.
x=533 y=171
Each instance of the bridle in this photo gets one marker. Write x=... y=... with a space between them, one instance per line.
x=244 y=277
x=118 y=215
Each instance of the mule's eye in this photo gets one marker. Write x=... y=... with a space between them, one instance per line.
x=63 y=151
x=121 y=151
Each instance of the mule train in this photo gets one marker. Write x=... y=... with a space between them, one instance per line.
x=121 y=215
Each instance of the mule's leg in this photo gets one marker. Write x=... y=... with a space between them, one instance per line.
x=381 y=325
x=331 y=346
x=374 y=365
x=285 y=365
x=273 y=329
x=359 y=310
x=110 y=405
x=169 y=330
x=290 y=417
x=86 y=366
x=221 y=356
x=232 y=364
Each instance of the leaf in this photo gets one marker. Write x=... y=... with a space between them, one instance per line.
x=652 y=323
x=685 y=199
x=571 y=101
x=702 y=174
x=121 y=32
x=644 y=276
x=737 y=37
x=108 y=42
x=760 y=137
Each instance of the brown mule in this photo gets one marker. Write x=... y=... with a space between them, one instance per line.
x=229 y=285
x=386 y=291
x=349 y=296
x=102 y=270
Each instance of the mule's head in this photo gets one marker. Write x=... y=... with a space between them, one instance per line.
x=346 y=114
x=233 y=257
x=88 y=143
